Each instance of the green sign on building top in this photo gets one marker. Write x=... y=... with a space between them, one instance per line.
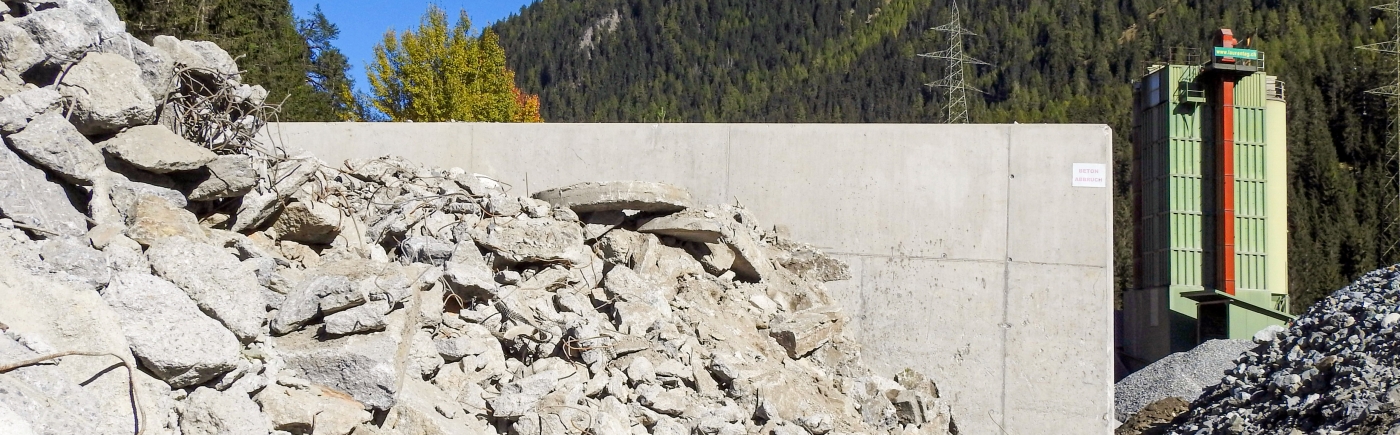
x=1238 y=53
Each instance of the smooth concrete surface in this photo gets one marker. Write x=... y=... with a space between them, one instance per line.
x=974 y=259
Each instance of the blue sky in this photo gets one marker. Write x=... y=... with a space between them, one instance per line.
x=363 y=22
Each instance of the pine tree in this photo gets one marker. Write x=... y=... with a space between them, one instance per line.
x=439 y=72
x=328 y=71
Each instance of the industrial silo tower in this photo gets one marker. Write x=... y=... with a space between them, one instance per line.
x=1210 y=203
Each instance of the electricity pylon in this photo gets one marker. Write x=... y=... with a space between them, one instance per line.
x=1391 y=92
x=955 y=79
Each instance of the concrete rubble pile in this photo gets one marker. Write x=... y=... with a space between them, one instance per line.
x=161 y=274
x=1335 y=370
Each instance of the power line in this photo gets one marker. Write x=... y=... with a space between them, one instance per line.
x=1391 y=92
x=955 y=79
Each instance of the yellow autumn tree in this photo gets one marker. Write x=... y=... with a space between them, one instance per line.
x=439 y=72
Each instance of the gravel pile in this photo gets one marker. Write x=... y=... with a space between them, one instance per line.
x=1182 y=374
x=1334 y=371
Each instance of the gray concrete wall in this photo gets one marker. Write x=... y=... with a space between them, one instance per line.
x=975 y=260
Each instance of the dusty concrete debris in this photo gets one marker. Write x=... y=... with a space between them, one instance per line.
x=312 y=223
x=214 y=279
x=225 y=177
x=211 y=412
x=32 y=200
x=20 y=51
x=177 y=342
x=60 y=33
x=618 y=195
x=18 y=109
x=259 y=291
x=53 y=143
x=156 y=149
x=107 y=94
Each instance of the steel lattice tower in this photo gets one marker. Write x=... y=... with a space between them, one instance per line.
x=1391 y=92
x=955 y=80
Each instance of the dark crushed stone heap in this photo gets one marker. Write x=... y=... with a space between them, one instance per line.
x=1334 y=370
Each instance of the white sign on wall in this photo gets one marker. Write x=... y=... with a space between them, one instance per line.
x=1090 y=175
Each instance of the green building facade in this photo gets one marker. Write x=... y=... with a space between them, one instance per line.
x=1177 y=300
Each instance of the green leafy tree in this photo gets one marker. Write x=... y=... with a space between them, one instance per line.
x=439 y=72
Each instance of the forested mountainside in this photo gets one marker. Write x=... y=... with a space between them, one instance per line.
x=1053 y=61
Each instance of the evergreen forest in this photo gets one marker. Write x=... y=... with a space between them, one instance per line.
x=1051 y=61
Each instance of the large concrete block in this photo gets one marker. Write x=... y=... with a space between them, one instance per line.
x=1059 y=354
x=943 y=319
x=1051 y=221
x=900 y=190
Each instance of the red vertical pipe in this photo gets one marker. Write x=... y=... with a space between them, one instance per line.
x=1227 y=183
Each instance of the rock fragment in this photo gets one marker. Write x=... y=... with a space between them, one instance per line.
x=214 y=279
x=29 y=198
x=225 y=177
x=107 y=94
x=691 y=228
x=618 y=195
x=169 y=334
x=50 y=141
x=156 y=149
x=211 y=412
x=16 y=110
x=312 y=223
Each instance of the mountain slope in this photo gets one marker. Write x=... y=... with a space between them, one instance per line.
x=1054 y=61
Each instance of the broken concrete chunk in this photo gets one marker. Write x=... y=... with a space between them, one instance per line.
x=177 y=342
x=313 y=223
x=363 y=365
x=152 y=218
x=805 y=332
x=534 y=240
x=212 y=412
x=304 y=303
x=597 y=224
x=18 y=51
x=205 y=59
x=313 y=410
x=123 y=195
x=521 y=396
x=156 y=149
x=365 y=318
x=157 y=71
x=107 y=94
x=685 y=227
x=50 y=141
x=225 y=177
x=618 y=195
x=59 y=32
x=19 y=108
x=29 y=198
x=78 y=260
x=421 y=249
x=750 y=262
x=214 y=279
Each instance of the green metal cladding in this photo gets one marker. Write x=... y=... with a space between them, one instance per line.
x=1175 y=151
